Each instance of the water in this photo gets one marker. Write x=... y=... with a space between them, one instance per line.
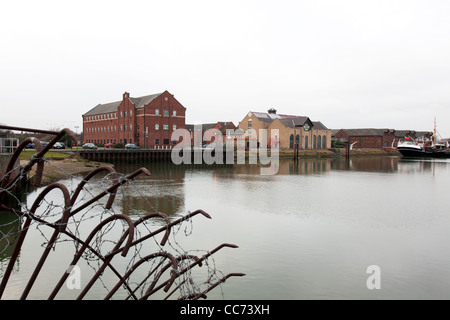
x=312 y=230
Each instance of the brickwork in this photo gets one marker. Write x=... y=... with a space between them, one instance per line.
x=129 y=121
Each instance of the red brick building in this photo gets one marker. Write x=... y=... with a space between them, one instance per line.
x=376 y=138
x=221 y=126
x=147 y=121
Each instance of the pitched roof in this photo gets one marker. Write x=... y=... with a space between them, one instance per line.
x=364 y=132
x=139 y=102
x=142 y=101
x=293 y=122
x=319 y=125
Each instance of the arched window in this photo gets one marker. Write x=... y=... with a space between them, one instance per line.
x=291 y=142
x=306 y=142
x=319 y=142
x=324 y=142
x=314 y=142
x=297 y=140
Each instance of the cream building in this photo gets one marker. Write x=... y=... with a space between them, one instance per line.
x=292 y=130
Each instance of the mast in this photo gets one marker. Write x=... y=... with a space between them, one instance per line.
x=434 y=135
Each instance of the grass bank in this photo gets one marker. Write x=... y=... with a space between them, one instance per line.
x=60 y=166
x=27 y=154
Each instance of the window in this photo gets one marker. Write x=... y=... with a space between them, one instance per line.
x=166 y=113
x=124 y=128
x=165 y=127
x=306 y=142
x=131 y=112
x=157 y=112
x=314 y=142
x=174 y=127
x=166 y=141
x=297 y=139
x=131 y=127
x=121 y=113
x=319 y=142
x=324 y=142
x=174 y=113
x=125 y=113
x=291 y=142
x=156 y=126
x=156 y=141
x=249 y=123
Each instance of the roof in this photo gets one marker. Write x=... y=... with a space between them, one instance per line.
x=380 y=132
x=205 y=126
x=287 y=120
x=364 y=132
x=319 y=125
x=139 y=102
x=293 y=122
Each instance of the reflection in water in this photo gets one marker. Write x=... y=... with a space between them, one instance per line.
x=9 y=228
x=320 y=221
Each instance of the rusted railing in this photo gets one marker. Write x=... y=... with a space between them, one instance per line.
x=166 y=277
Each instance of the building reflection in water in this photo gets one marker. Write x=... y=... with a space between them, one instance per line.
x=9 y=234
x=164 y=190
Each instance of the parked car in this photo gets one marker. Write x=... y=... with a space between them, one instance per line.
x=89 y=146
x=59 y=145
x=131 y=146
x=109 y=145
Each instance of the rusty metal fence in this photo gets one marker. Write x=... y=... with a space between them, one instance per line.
x=144 y=259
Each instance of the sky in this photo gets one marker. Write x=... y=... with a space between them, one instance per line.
x=346 y=63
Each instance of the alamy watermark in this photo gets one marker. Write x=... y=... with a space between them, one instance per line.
x=236 y=146
x=374 y=280
x=74 y=278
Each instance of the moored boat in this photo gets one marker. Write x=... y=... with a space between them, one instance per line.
x=412 y=149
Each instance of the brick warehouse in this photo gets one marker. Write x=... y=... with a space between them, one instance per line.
x=147 y=121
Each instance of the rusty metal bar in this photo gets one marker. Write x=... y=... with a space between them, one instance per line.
x=9 y=179
x=129 y=234
x=150 y=292
x=144 y=259
x=61 y=227
x=28 y=129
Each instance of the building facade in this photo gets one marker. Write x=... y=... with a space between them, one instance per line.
x=227 y=130
x=373 y=138
x=147 y=121
x=292 y=130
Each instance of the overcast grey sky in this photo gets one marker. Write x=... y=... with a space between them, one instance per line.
x=347 y=63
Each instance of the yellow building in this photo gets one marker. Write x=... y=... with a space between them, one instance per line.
x=292 y=130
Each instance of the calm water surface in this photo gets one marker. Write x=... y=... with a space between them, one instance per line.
x=309 y=232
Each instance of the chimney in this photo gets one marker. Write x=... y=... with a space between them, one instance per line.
x=272 y=111
x=126 y=95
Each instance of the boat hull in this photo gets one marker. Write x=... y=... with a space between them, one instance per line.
x=414 y=152
x=423 y=153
